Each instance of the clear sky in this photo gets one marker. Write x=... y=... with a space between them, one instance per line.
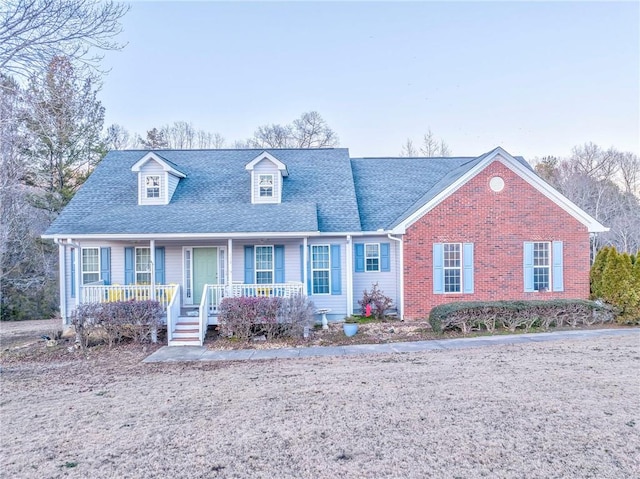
x=534 y=77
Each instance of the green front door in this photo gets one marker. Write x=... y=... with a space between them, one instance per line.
x=205 y=270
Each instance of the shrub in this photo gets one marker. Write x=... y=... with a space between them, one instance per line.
x=274 y=317
x=511 y=315
x=138 y=320
x=619 y=285
x=378 y=301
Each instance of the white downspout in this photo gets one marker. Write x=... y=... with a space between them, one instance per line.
x=62 y=278
x=305 y=261
x=349 y=266
x=78 y=270
x=401 y=273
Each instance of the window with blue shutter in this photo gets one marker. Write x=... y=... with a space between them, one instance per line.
x=159 y=265
x=453 y=268
x=248 y=265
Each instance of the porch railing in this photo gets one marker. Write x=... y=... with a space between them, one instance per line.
x=215 y=293
x=96 y=293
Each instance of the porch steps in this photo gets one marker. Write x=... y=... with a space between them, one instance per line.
x=185 y=332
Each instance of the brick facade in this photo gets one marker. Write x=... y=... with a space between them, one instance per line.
x=498 y=224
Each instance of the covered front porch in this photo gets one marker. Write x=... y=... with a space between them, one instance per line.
x=187 y=325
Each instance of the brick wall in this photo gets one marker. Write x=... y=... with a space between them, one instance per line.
x=498 y=224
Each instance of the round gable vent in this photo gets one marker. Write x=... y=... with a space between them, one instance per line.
x=496 y=184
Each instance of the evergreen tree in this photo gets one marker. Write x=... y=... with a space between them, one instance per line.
x=597 y=270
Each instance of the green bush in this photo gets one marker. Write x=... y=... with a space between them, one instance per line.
x=615 y=279
x=512 y=315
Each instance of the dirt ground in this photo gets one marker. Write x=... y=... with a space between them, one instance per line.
x=537 y=410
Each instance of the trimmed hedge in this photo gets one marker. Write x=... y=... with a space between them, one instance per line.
x=512 y=315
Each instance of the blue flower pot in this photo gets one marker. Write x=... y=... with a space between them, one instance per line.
x=350 y=329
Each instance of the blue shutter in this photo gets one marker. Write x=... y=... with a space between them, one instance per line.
x=528 y=267
x=249 y=277
x=278 y=253
x=129 y=265
x=105 y=265
x=358 y=249
x=336 y=270
x=438 y=270
x=467 y=266
x=385 y=257
x=159 y=265
x=73 y=272
x=557 y=278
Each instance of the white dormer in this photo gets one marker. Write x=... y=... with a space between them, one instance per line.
x=267 y=173
x=157 y=179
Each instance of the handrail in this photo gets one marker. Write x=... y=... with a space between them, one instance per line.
x=97 y=293
x=204 y=313
x=173 y=311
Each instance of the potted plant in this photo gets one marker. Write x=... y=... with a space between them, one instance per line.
x=350 y=326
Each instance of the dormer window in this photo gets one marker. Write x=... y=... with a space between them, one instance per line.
x=158 y=179
x=266 y=186
x=152 y=183
x=267 y=174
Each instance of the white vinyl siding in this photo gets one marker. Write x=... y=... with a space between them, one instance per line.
x=388 y=281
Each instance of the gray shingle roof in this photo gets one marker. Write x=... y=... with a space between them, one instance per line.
x=215 y=197
x=325 y=191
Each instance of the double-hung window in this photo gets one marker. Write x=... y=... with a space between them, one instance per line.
x=320 y=269
x=372 y=257
x=453 y=270
x=90 y=265
x=541 y=266
x=143 y=266
x=265 y=183
x=152 y=186
x=264 y=264
x=452 y=263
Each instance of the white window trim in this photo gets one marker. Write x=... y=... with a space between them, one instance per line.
x=82 y=271
x=135 y=265
x=548 y=266
x=372 y=257
x=255 y=263
x=459 y=268
x=328 y=269
x=146 y=188
x=272 y=177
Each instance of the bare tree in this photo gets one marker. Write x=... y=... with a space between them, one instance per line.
x=408 y=150
x=629 y=168
x=180 y=135
x=205 y=140
x=155 y=140
x=430 y=147
x=118 y=138
x=308 y=131
x=32 y=32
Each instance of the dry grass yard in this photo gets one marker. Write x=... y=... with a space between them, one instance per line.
x=562 y=409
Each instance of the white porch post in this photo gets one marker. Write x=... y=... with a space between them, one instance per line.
x=78 y=272
x=349 y=258
x=305 y=261
x=229 y=266
x=152 y=260
x=62 y=271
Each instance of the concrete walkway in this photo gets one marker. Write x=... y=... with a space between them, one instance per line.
x=201 y=353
